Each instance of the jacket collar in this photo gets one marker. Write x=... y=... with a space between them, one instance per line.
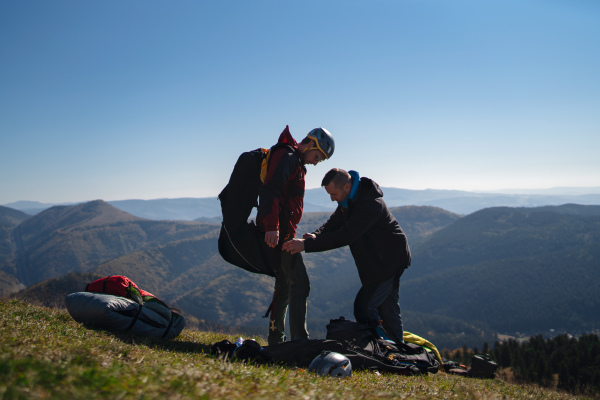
x=353 y=190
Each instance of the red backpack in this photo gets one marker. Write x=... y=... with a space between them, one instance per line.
x=120 y=286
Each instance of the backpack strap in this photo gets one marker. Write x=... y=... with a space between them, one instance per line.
x=170 y=325
x=264 y=167
x=135 y=319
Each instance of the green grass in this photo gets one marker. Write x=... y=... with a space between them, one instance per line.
x=45 y=354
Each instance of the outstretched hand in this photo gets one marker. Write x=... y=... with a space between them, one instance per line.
x=294 y=246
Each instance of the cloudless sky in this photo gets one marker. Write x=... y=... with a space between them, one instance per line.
x=144 y=99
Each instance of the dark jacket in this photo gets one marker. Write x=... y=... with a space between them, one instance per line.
x=377 y=242
x=281 y=197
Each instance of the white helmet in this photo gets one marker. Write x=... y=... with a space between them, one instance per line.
x=333 y=364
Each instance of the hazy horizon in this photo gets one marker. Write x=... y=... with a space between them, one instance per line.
x=559 y=191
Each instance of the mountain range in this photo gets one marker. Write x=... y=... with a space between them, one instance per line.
x=461 y=202
x=500 y=269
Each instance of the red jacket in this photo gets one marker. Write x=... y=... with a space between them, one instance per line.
x=281 y=197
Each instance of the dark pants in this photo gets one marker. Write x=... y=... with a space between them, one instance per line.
x=292 y=288
x=379 y=302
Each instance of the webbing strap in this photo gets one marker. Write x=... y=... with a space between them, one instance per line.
x=168 y=327
x=236 y=249
x=135 y=318
x=270 y=309
x=104 y=283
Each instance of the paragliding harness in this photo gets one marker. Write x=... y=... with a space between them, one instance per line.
x=240 y=243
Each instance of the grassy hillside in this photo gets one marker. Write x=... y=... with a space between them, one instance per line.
x=45 y=354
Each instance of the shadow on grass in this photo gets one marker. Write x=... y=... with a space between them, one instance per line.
x=173 y=345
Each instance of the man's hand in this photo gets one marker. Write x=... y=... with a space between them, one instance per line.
x=294 y=246
x=309 y=235
x=272 y=238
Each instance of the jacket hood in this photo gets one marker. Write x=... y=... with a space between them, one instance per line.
x=368 y=188
x=286 y=138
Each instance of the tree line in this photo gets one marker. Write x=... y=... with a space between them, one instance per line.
x=564 y=362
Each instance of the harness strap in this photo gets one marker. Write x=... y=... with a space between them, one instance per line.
x=236 y=249
x=168 y=327
x=137 y=315
x=270 y=309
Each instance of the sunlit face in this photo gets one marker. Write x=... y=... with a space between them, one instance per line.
x=313 y=156
x=338 y=193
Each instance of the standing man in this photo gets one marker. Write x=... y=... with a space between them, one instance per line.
x=281 y=201
x=363 y=221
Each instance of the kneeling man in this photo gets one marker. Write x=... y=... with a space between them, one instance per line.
x=381 y=253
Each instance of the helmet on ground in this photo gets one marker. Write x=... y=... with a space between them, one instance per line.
x=323 y=140
x=333 y=364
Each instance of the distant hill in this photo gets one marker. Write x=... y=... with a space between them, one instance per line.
x=502 y=233
x=52 y=292
x=417 y=222
x=184 y=209
x=9 y=217
x=32 y=207
x=517 y=269
x=76 y=238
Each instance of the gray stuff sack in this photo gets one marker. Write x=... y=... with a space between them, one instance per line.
x=121 y=314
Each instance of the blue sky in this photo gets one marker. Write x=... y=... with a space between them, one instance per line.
x=152 y=99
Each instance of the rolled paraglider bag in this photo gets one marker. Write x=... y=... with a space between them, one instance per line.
x=116 y=313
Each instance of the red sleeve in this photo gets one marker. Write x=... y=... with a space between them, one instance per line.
x=282 y=164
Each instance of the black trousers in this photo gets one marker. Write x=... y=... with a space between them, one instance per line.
x=379 y=302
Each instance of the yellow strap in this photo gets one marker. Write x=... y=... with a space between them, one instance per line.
x=264 y=165
x=317 y=146
x=412 y=338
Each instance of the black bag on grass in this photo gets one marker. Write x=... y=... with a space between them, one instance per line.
x=366 y=340
x=482 y=366
x=300 y=353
